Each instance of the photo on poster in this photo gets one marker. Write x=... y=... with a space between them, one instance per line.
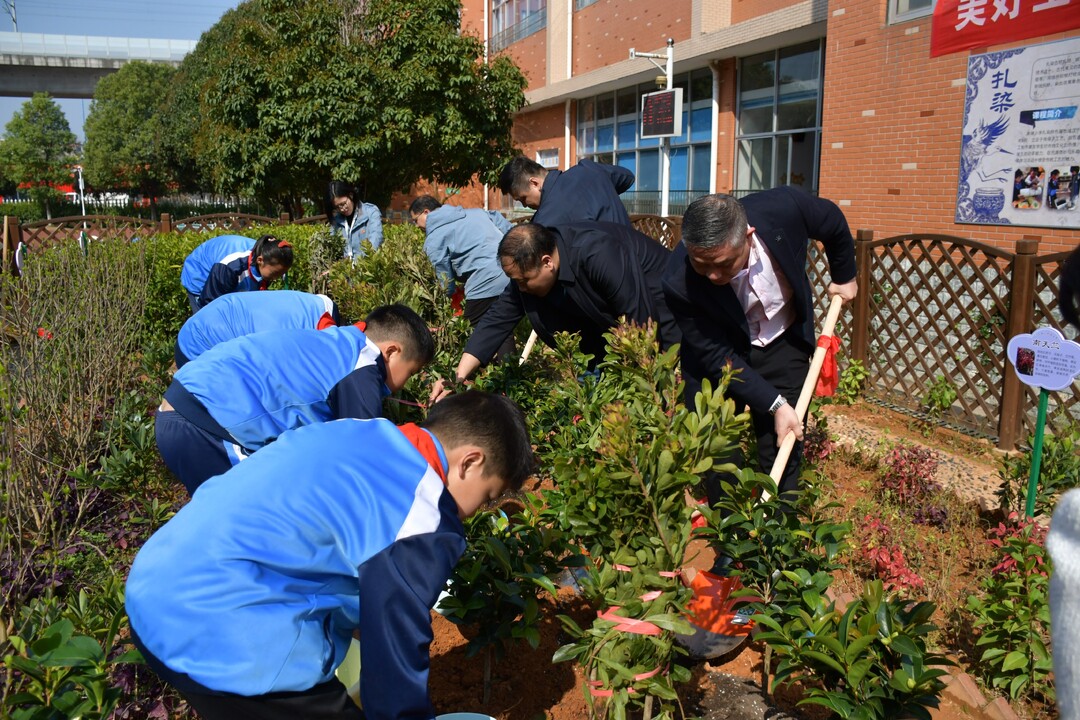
x=1028 y=188
x=1025 y=361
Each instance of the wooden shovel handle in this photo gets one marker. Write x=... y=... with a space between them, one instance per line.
x=807 y=394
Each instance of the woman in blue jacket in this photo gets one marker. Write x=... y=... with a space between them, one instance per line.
x=230 y=263
x=354 y=220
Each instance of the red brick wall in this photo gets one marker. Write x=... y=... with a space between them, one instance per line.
x=605 y=32
x=530 y=54
x=742 y=10
x=887 y=103
x=725 y=131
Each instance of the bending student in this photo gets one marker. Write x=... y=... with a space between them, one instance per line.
x=239 y=314
x=246 y=600
x=242 y=394
x=230 y=263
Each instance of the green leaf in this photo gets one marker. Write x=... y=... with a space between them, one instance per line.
x=1015 y=660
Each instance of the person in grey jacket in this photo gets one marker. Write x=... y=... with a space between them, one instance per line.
x=354 y=220
x=463 y=245
x=1063 y=542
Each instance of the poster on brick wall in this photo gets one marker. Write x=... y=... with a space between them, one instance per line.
x=1020 y=150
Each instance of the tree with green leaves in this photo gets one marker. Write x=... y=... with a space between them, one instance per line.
x=298 y=92
x=123 y=148
x=38 y=149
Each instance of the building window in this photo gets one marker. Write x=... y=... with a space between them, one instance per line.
x=779 y=119
x=512 y=20
x=609 y=131
x=578 y=4
x=548 y=157
x=904 y=10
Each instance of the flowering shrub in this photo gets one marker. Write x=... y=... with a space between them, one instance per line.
x=878 y=550
x=908 y=473
x=817 y=445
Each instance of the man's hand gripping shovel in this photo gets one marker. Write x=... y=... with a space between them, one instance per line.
x=718 y=627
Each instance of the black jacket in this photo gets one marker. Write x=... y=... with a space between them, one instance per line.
x=587 y=191
x=713 y=323
x=605 y=271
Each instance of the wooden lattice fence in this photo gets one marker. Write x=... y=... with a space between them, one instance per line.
x=933 y=306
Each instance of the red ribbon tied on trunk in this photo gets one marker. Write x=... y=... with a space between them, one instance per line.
x=830 y=374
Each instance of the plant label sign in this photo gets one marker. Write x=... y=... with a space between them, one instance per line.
x=1045 y=359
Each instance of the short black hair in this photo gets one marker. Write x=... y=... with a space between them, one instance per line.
x=526 y=244
x=494 y=423
x=714 y=221
x=401 y=323
x=1069 y=289
x=514 y=177
x=422 y=203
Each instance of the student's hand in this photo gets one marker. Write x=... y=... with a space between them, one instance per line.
x=847 y=291
x=787 y=420
x=441 y=389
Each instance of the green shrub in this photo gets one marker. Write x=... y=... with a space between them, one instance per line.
x=1013 y=612
x=71 y=324
x=868 y=662
x=1059 y=470
x=852 y=381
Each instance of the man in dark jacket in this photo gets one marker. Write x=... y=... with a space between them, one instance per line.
x=587 y=191
x=575 y=278
x=738 y=288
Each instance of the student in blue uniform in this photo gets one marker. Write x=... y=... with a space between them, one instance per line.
x=246 y=600
x=231 y=263
x=463 y=245
x=242 y=394
x=239 y=314
x=354 y=220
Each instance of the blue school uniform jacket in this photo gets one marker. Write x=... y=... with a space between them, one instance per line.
x=256 y=387
x=197 y=265
x=240 y=314
x=256 y=585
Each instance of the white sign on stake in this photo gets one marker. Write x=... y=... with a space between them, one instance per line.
x=1045 y=359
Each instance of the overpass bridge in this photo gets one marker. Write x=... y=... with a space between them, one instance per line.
x=69 y=66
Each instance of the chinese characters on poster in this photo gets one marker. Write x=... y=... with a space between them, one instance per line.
x=1020 y=152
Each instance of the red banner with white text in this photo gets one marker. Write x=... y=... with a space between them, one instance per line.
x=963 y=24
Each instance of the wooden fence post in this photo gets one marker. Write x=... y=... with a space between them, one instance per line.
x=860 y=311
x=283 y=219
x=12 y=236
x=166 y=223
x=1021 y=313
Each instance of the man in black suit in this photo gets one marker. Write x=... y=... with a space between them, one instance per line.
x=586 y=191
x=738 y=288
x=575 y=278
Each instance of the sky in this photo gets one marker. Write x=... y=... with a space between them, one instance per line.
x=165 y=19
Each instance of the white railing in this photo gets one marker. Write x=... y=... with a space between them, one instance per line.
x=94 y=46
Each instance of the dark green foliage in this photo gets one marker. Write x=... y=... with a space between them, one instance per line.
x=38 y=148
x=123 y=149
x=290 y=95
x=866 y=662
x=508 y=562
x=623 y=466
x=1013 y=613
x=1059 y=470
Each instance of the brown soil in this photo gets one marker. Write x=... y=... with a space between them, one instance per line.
x=527 y=686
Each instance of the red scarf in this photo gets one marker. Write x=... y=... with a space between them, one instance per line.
x=422 y=441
